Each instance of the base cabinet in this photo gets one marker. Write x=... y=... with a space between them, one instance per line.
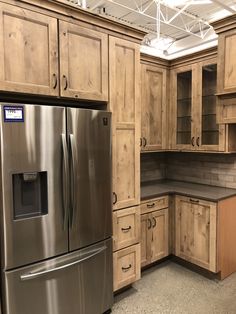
x=154 y=236
x=126 y=266
x=196 y=235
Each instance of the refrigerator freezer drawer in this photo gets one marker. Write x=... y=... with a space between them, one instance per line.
x=79 y=282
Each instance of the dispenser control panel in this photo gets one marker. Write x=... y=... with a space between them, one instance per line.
x=13 y=114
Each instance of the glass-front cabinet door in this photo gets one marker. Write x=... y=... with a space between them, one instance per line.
x=181 y=109
x=211 y=135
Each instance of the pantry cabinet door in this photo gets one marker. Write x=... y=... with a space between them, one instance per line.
x=83 y=62
x=28 y=51
x=124 y=60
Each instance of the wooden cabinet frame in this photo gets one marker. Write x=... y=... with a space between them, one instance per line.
x=196 y=111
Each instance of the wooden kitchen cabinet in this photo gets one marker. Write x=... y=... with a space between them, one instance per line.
x=154 y=234
x=125 y=106
x=196 y=235
x=226 y=82
x=83 y=62
x=126 y=266
x=194 y=107
x=126 y=227
x=28 y=51
x=153 y=104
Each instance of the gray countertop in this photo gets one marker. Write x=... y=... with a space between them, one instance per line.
x=154 y=189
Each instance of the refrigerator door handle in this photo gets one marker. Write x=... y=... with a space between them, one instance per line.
x=73 y=179
x=33 y=275
x=65 y=181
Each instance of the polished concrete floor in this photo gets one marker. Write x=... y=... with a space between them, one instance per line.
x=171 y=288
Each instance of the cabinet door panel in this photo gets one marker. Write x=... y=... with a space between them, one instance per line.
x=153 y=105
x=28 y=51
x=159 y=234
x=126 y=227
x=125 y=107
x=196 y=232
x=84 y=62
x=146 y=239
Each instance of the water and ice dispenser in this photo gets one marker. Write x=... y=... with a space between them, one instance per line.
x=30 y=197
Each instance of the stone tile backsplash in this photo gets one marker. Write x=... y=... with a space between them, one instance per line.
x=212 y=169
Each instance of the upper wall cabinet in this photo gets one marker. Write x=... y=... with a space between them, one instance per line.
x=83 y=62
x=153 y=110
x=193 y=108
x=226 y=83
x=28 y=51
x=124 y=62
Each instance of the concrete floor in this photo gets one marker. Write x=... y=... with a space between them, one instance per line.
x=171 y=288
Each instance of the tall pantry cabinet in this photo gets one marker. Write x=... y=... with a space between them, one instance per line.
x=124 y=73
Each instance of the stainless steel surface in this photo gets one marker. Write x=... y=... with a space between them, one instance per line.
x=91 y=148
x=91 y=253
x=74 y=171
x=84 y=288
x=31 y=146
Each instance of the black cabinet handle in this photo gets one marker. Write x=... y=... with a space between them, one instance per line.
x=198 y=139
x=65 y=82
x=154 y=222
x=124 y=269
x=145 y=141
x=150 y=205
x=114 y=198
x=126 y=229
x=149 y=224
x=141 y=142
x=54 y=84
x=194 y=201
x=192 y=141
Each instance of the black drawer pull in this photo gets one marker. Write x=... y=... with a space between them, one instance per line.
x=125 y=269
x=194 y=201
x=126 y=229
x=114 y=198
x=149 y=223
x=151 y=205
x=154 y=222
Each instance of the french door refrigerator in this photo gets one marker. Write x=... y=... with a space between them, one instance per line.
x=56 y=225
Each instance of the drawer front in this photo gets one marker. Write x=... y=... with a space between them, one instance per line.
x=127 y=268
x=154 y=204
x=126 y=227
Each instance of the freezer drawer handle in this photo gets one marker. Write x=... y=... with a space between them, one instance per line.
x=47 y=271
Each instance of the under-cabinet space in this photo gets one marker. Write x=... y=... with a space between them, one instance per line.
x=126 y=266
x=126 y=227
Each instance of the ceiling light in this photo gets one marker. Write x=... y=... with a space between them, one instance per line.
x=162 y=43
x=181 y=3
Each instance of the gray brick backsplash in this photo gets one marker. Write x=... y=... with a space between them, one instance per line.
x=212 y=169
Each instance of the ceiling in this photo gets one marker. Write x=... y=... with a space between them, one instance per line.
x=174 y=27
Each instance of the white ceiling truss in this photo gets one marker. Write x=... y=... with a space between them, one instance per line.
x=174 y=20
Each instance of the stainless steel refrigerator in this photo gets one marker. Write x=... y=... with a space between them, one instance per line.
x=56 y=225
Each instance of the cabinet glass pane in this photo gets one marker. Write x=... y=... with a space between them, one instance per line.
x=210 y=130
x=184 y=107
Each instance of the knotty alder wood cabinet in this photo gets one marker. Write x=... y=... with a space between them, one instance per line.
x=193 y=105
x=125 y=106
x=29 y=54
x=226 y=83
x=154 y=230
x=205 y=233
x=154 y=84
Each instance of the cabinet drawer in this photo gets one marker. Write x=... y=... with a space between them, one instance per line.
x=127 y=267
x=126 y=227
x=154 y=204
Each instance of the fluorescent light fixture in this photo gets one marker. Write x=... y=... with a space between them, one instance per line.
x=181 y=3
